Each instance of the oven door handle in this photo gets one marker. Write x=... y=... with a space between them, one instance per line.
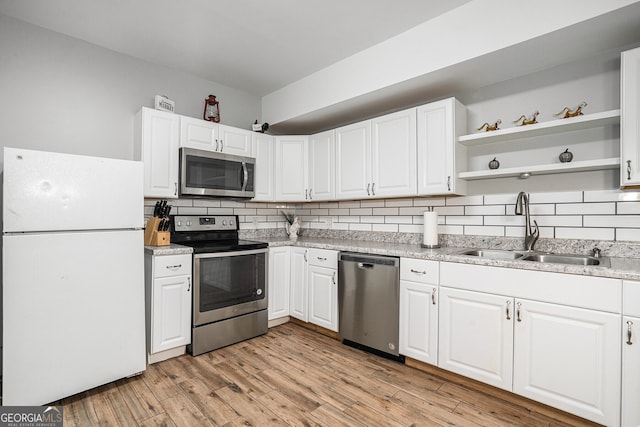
x=230 y=253
x=245 y=176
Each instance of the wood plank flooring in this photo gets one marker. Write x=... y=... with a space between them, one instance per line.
x=293 y=376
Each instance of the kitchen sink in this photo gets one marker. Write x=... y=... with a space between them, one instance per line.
x=537 y=257
x=567 y=259
x=492 y=254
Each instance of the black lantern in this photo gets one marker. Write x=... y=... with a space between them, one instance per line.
x=211 y=109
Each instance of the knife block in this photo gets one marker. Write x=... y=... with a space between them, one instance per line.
x=152 y=236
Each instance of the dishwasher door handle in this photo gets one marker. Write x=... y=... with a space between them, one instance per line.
x=365 y=266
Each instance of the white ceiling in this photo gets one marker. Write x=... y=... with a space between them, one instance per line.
x=256 y=46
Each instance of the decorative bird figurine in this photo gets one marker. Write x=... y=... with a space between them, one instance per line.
x=530 y=121
x=490 y=127
x=568 y=113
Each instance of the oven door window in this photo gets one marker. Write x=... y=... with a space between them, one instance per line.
x=230 y=280
x=217 y=174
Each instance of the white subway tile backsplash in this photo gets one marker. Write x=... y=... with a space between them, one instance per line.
x=361 y=211
x=601 y=214
x=485 y=210
x=464 y=201
x=449 y=210
x=463 y=220
x=585 y=233
x=481 y=230
x=586 y=209
x=617 y=221
x=628 y=234
x=610 y=196
x=556 y=197
x=360 y=227
x=628 y=208
x=372 y=203
x=385 y=211
x=391 y=228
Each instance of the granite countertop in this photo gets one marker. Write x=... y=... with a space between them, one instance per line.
x=621 y=268
x=171 y=249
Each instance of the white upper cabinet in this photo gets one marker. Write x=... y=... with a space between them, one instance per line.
x=393 y=154
x=376 y=158
x=234 y=140
x=322 y=153
x=264 y=152
x=630 y=118
x=439 y=157
x=156 y=141
x=353 y=161
x=199 y=134
x=291 y=168
x=205 y=135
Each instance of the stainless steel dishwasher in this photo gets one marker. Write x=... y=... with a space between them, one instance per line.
x=368 y=302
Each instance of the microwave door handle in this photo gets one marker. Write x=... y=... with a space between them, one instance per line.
x=245 y=176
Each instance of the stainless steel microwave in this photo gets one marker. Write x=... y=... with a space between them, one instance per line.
x=208 y=173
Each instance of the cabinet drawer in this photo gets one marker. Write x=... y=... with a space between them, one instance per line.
x=631 y=298
x=419 y=270
x=323 y=258
x=172 y=265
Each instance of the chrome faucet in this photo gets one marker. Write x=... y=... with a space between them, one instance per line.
x=530 y=234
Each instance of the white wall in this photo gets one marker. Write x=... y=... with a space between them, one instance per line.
x=62 y=94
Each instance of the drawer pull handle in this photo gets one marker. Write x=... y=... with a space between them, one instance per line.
x=333 y=279
x=629 y=324
x=188 y=284
x=321 y=258
x=508 y=310
x=518 y=318
x=305 y=256
x=418 y=271
x=433 y=296
x=173 y=267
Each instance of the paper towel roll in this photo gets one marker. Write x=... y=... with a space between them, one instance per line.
x=430 y=229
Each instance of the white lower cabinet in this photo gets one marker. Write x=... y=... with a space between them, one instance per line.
x=631 y=354
x=476 y=336
x=568 y=358
x=551 y=337
x=323 y=288
x=168 y=304
x=419 y=309
x=298 y=299
x=279 y=282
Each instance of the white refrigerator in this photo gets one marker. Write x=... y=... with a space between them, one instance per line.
x=72 y=274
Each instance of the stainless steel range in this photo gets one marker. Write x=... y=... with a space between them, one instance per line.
x=229 y=281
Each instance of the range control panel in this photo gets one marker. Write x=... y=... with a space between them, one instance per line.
x=205 y=223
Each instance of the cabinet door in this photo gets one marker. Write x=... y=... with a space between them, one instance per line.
x=630 y=118
x=393 y=154
x=437 y=124
x=279 y=279
x=298 y=296
x=476 y=336
x=323 y=297
x=419 y=321
x=171 y=313
x=630 y=371
x=322 y=166
x=353 y=161
x=568 y=358
x=159 y=137
x=291 y=168
x=197 y=133
x=264 y=152
x=234 y=140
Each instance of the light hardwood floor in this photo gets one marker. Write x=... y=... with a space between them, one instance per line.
x=295 y=376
